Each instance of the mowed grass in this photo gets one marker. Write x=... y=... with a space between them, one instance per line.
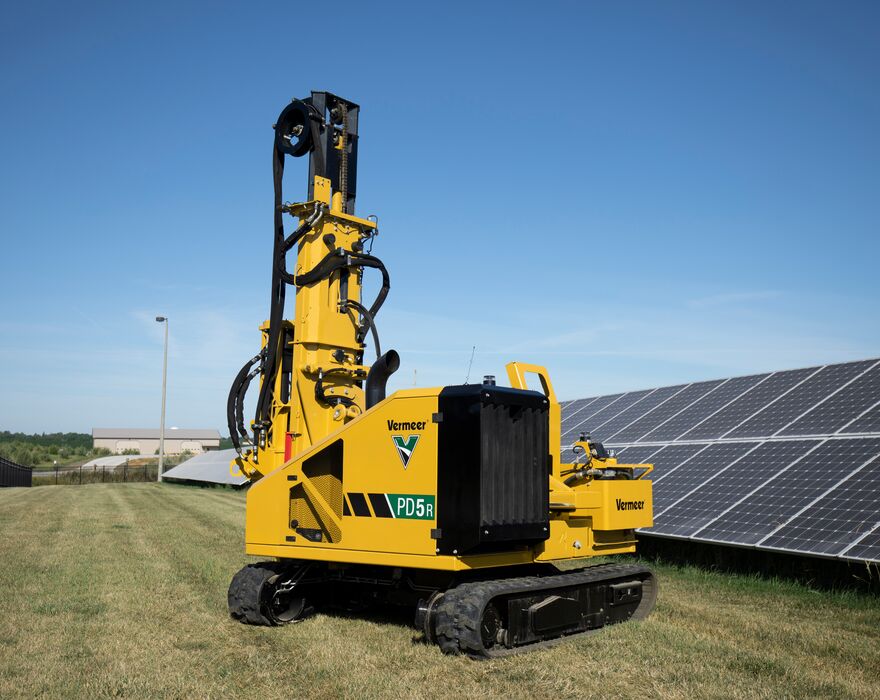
x=119 y=590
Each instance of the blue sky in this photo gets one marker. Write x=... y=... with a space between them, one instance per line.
x=632 y=194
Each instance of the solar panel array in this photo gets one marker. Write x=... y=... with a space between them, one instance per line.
x=211 y=467
x=786 y=461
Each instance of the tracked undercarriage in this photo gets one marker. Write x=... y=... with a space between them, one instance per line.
x=473 y=615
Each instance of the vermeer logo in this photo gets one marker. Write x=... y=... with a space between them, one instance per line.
x=630 y=505
x=405 y=448
x=407 y=425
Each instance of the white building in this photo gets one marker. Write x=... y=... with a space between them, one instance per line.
x=146 y=440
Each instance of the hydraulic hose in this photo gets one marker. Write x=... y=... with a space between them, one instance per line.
x=276 y=305
x=234 y=417
x=338 y=259
x=368 y=320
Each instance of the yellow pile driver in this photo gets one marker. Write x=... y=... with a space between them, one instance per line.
x=451 y=500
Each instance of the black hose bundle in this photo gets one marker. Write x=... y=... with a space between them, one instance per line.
x=296 y=133
x=271 y=352
x=235 y=402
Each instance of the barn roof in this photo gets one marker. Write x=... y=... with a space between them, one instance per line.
x=153 y=433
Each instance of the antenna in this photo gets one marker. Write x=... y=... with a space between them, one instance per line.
x=470 y=364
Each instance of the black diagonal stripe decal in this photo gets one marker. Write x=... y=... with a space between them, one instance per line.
x=380 y=505
x=359 y=504
x=345 y=510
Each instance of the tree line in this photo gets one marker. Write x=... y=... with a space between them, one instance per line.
x=46 y=448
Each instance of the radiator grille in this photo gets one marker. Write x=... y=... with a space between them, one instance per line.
x=493 y=468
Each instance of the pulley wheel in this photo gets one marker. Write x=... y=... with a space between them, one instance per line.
x=293 y=130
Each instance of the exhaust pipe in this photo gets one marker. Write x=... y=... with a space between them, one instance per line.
x=382 y=368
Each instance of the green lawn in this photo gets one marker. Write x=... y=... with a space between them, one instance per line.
x=120 y=590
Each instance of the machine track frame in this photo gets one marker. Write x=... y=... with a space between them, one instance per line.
x=458 y=616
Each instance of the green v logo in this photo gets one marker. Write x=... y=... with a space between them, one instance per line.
x=405 y=448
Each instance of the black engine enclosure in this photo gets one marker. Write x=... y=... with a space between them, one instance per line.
x=493 y=468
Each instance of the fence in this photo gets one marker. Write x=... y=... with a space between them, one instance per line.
x=12 y=474
x=124 y=473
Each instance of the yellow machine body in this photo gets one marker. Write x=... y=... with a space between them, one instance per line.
x=315 y=492
x=437 y=485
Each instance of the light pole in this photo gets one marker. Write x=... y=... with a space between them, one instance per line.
x=163 y=319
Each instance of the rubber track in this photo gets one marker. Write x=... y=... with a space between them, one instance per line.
x=457 y=626
x=244 y=593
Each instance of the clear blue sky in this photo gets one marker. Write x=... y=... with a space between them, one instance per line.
x=633 y=194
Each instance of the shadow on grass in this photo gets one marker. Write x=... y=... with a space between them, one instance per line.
x=812 y=572
x=380 y=614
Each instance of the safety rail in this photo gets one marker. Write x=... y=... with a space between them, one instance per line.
x=12 y=474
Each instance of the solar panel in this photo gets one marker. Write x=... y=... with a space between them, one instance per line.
x=750 y=402
x=670 y=457
x=868 y=422
x=678 y=483
x=608 y=412
x=846 y=512
x=212 y=467
x=779 y=414
x=605 y=430
x=572 y=419
x=664 y=411
x=571 y=411
x=704 y=408
x=636 y=454
x=785 y=461
x=867 y=548
x=839 y=408
x=748 y=474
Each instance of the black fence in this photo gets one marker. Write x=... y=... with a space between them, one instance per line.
x=74 y=476
x=12 y=474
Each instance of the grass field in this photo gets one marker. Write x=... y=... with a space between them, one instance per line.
x=119 y=590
